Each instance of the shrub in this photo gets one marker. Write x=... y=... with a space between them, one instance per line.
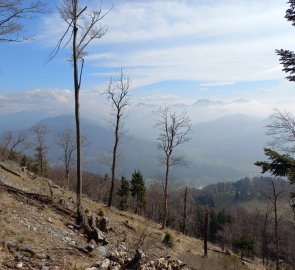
x=168 y=240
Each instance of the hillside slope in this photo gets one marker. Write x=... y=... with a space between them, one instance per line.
x=36 y=235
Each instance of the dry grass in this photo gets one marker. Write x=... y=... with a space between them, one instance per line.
x=29 y=224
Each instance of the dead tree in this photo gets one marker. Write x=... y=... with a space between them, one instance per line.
x=67 y=142
x=264 y=245
x=117 y=93
x=184 y=210
x=6 y=139
x=205 y=237
x=282 y=130
x=82 y=27
x=274 y=200
x=40 y=132
x=13 y=13
x=174 y=130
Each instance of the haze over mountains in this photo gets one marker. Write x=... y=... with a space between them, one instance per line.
x=223 y=149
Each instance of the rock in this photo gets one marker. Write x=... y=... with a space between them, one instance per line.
x=44 y=267
x=19 y=265
x=49 y=220
x=92 y=268
x=134 y=263
x=91 y=245
x=102 y=250
x=104 y=265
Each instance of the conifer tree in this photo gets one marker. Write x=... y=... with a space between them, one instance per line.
x=287 y=57
x=138 y=190
x=123 y=192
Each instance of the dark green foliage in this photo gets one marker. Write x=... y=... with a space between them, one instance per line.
x=287 y=58
x=279 y=165
x=216 y=220
x=245 y=244
x=205 y=199
x=138 y=190
x=290 y=12
x=123 y=192
x=168 y=240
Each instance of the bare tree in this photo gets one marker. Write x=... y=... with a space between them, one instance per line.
x=264 y=234
x=282 y=130
x=205 y=237
x=184 y=210
x=174 y=130
x=6 y=139
x=117 y=94
x=274 y=200
x=67 y=142
x=40 y=131
x=12 y=16
x=82 y=28
x=10 y=143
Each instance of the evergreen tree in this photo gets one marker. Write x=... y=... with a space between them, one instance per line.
x=245 y=244
x=123 y=192
x=287 y=57
x=138 y=190
x=279 y=165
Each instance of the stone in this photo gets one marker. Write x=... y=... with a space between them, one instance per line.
x=44 y=267
x=19 y=265
x=49 y=220
x=104 y=264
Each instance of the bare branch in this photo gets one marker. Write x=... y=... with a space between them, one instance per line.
x=282 y=130
x=117 y=93
x=12 y=15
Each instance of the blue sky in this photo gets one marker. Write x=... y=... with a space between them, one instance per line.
x=175 y=52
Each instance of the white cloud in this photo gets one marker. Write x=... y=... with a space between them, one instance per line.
x=49 y=100
x=209 y=41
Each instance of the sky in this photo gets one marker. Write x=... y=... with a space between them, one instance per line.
x=175 y=52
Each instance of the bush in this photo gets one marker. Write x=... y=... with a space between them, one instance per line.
x=168 y=240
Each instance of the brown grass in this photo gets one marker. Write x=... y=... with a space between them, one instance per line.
x=138 y=233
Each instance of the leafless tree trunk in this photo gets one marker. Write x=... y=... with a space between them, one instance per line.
x=5 y=141
x=205 y=233
x=12 y=16
x=184 y=210
x=274 y=201
x=40 y=132
x=81 y=30
x=174 y=131
x=264 y=234
x=67 y=141
x=117 y=93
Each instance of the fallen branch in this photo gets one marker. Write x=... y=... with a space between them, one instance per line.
x=44 y=199
x=8 y=170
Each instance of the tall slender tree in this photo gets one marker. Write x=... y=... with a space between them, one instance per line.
x=117 y=94
x=67 y=142
x=82 y=27
x=174 y=131
x=40 y=132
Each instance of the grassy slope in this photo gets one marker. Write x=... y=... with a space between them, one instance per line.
x=30 y=225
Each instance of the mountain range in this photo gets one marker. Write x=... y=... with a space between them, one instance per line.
x=220 y=150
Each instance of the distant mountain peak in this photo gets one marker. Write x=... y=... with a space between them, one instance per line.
x=207 y=102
